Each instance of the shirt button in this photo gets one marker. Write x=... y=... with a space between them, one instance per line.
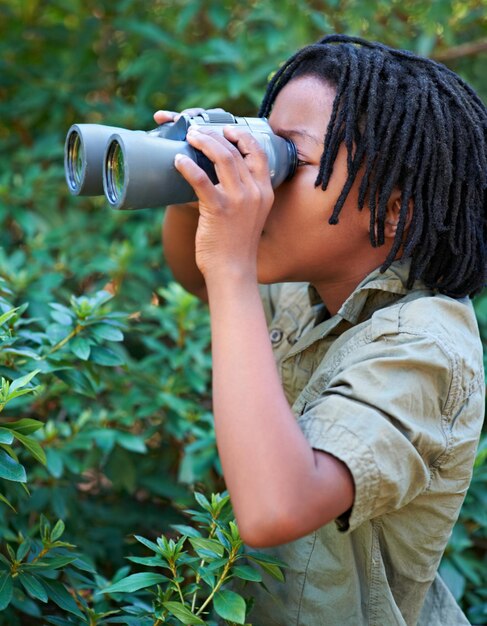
x=275 y=335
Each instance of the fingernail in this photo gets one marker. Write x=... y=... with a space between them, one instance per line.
x=179 y=158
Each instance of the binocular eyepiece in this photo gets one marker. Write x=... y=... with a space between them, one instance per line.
x=135 y=169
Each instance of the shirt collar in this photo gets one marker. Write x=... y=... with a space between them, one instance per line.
x=377 y=290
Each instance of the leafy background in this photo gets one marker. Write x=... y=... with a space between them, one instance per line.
x=113 y=432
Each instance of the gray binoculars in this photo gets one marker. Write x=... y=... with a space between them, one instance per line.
x=135 y=169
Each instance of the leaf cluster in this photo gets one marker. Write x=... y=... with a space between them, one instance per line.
x=199 y=567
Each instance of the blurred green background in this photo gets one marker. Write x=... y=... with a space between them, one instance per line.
x=127 y=428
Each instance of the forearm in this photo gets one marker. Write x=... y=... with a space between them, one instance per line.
x=272 y=473
x=178 y=239
x=281 y=488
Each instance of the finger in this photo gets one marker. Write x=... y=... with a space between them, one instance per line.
x=251 y=150
x=193 y=112
x=197 y=178
x=162 y=116
x=228 y=161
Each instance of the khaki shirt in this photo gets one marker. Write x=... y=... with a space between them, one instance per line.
x=393 y=386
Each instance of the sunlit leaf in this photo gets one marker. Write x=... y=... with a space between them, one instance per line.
x=230 y=605
x=134 y=582
x=11 y=469
x=182 y=612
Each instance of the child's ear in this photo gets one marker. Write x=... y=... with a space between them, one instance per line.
x=392 y=214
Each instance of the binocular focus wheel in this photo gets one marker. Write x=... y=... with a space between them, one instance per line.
x=218 y=117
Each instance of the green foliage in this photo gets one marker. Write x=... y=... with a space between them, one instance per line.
x=198 y=568
x=464 y=566
x=107 y=441
x=105 y=417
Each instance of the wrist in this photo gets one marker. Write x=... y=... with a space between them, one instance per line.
x=230 y=279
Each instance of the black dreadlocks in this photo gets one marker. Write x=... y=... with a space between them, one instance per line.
x=417 y=126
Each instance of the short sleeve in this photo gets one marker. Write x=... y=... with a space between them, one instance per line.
x=382 y=413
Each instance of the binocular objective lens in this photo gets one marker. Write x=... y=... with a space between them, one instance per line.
x=115 y=172
x=75 y=161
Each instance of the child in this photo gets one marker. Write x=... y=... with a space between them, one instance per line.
x=350 y=459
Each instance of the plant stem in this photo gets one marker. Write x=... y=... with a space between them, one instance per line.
x=228 y=565
x=64 y=341
x=198 y=576
x=42 y=553
x=174 y=572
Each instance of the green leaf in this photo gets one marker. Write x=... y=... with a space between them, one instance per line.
x=56 y=333
x=107 y=332
x=6 y=436
x=23 y=549
x=454 y=580
x=135 y=582
x=24 y=426
x=10 y=469
x=60 y=596
x=5 y=501
x=8 y=315
x=147 y=543
x=21 y=392
x=6 y=589
x=230 y=606
x=245 y=572
x=188 y=531
x=182 y=613
x=55 y=463
x=47 y=563
x=63 y=309
x=131 y=442
x=33 y=586
x=62 y=318
x=22 y=381
x=106 y=357
x=78 y=381
x=149 y=561
x=80 y=347
x=33 y=446
x=207 y=547
x=202 y=501
x=58 y=530
x=214 y=565
x=269 y=564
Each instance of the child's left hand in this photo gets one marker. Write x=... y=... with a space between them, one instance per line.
x=233 y=212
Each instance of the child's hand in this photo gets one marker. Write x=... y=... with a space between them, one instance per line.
x=163 y=117
x=233 y=212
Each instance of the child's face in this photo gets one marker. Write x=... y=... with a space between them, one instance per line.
x=297 y=243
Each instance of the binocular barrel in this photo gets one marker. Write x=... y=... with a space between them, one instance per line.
x=135 y=169
x=84 y=152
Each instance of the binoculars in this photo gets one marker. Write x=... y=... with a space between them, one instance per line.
x=135 y=169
